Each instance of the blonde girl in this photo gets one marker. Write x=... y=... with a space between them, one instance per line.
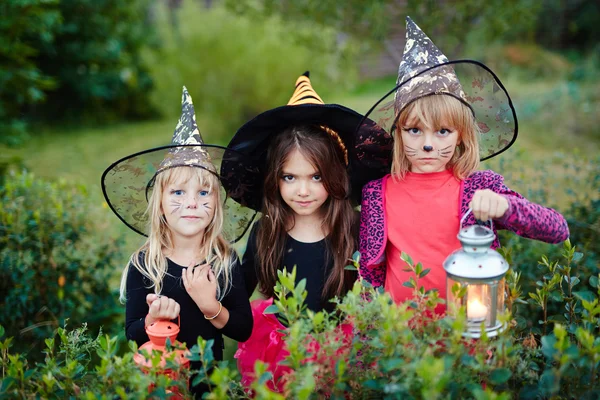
x=186 y=268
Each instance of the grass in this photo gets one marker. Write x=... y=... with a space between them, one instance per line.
x=550 y=121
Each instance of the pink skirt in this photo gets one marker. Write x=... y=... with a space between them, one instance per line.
x=267 y=345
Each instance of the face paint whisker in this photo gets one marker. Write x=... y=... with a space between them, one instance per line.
x=409 y=151
x=177 y=205
x=446 y=152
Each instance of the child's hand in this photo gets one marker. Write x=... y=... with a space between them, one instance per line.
x=201 y=284
x=487 y=204
x=160 y=307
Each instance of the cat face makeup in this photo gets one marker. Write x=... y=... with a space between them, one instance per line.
x=427 y=149
x=188 y=207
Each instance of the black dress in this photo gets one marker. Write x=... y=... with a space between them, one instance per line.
x=311 y=260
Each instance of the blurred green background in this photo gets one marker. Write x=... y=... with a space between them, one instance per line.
x=86 y=82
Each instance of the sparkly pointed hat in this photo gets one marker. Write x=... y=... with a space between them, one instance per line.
x=306 y=107
x=425 y=71
x=128 y=182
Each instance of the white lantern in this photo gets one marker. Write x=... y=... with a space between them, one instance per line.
x=480 y=270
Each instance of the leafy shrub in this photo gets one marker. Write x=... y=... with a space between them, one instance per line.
x=56 y=261
x=396 y=351
x=403 y=352
x=237 y=66
x=77 y=365
x=95 y=58
x=572 y=186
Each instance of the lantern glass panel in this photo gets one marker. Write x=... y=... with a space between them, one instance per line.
x=479 y=304
x=483 y=300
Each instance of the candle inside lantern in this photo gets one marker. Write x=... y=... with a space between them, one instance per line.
x=476 y=311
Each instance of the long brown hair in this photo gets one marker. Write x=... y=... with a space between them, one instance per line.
x=339 y=221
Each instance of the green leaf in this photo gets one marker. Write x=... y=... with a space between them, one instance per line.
x=272 y=309
x=407 y=259
x=548 y=343
x=2 y=331
x=577 y=256
x=593 y=283
x=585 y=295
x=6 y=383
x=574 y=281
x=418 y=269
x=409 y=284
x=500 y=376
x=301 y=286
x=424 y=273
x=350 y=268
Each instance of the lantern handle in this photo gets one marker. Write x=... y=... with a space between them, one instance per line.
x=462 y=220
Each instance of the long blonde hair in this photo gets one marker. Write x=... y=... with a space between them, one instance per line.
x=150 y=260
x=435 y=112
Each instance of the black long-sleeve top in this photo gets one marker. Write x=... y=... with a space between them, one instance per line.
x=311 y=261
x=193 y=323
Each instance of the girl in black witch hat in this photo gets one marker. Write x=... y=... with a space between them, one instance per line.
x=303 y=180
x=186 y=268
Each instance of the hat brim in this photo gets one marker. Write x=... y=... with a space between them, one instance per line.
x=254 y=137
x=485 y=95
x=128 y=182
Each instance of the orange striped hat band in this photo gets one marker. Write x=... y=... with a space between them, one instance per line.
x=305 y=94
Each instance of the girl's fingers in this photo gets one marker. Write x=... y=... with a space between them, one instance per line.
x=184 y=278
x=494 y=208
x=484 y=210
x=171 y=309
x=476 y=204
x=150 y=298
x=154 y=310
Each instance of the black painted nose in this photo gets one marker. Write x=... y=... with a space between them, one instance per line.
x=428 y=148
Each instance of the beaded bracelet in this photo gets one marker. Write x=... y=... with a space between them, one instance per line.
x=217 y=314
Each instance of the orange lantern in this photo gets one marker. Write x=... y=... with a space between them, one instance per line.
x=158 y=332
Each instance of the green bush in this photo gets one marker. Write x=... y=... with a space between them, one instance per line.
x=95 y=58
x=236 y=66
x=56 y=260
x=402 y=352
x=572 y=186
x=396 y=351
x=79 y=366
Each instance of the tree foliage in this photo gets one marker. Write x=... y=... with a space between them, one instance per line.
x=553 y=23
x=72 y=58
x=24 y=27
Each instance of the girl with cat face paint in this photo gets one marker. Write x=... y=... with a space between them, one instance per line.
x=441 y=130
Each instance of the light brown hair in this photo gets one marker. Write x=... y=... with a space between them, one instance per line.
x=435 y=112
